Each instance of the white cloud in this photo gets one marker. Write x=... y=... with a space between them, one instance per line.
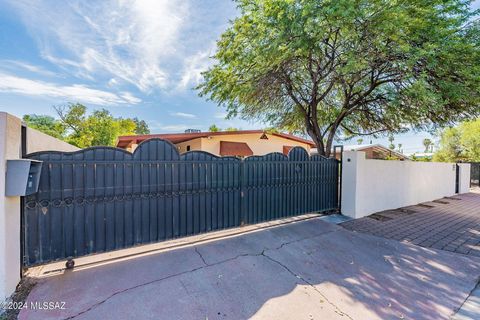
x=130 y=98
x=71 y=93
x=112 y=82
x=183 y=115
x=132 y=41
x=16 y=64
x=193 y=67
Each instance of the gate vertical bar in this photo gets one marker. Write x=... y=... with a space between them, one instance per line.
x=339 y=174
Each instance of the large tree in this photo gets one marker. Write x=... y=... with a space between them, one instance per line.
x=99 y=128
x=460 y=143
x=332 y=68
x=46 y=124
x=141 y=126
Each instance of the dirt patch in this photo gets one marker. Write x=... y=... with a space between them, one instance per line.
x=452 y=198
x=407 y=211
x=379 y=217
x=425 y=205
x=441 y=201
x=23 y=289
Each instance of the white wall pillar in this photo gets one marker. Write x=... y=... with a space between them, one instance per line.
x=352 y=161
x=464 y=177
x=10 y=143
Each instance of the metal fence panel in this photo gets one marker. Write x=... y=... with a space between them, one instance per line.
x=101 y=199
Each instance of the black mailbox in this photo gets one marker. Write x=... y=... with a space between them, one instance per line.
x=23 y=177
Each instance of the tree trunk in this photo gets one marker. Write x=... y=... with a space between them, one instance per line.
x=318 y=142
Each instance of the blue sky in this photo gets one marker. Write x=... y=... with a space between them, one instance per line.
x=135 y=58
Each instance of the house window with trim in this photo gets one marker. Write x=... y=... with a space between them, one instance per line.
x=188 y=148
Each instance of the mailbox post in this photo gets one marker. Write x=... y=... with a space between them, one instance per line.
x=23 y=177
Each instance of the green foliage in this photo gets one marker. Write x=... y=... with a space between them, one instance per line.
x=271 y=130
x=141 y=127
x=420 y=159
x=74 y=126
x=231 y=129
x=45 y=124
x=391 y=157
x=214 y=128
x=460 y=143
x=391 y=138
x=97 y=129
x=346 y=68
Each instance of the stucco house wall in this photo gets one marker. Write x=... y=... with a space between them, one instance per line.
x=195 y=144
x=258 y=146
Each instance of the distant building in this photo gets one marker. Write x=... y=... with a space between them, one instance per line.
x=372 y=151
x=224 y=143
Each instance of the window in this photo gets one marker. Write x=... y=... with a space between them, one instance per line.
x=188 y=148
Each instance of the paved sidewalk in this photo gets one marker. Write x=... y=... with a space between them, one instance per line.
x=450 y=224
x=305 y=270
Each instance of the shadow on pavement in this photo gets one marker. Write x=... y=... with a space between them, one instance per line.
x=310 y=269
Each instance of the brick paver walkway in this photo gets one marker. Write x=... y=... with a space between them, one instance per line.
x=451 y=224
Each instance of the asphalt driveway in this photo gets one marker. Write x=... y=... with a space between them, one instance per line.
x=304 y=270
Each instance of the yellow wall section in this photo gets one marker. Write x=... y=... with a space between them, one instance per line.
x=195 y=144
x=258 y=146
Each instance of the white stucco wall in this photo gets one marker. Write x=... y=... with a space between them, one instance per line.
x=39 y=141
x=10 y=148
x=369 y=186
x=10 y=133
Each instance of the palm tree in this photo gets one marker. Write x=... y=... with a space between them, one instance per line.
x=427 y=143
x=391 y=139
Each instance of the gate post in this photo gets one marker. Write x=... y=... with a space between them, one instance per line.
x=463 y=177
x=10 y=148
x=339 y=174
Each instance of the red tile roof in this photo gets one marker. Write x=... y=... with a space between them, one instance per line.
x=124 y=141
x=286 y=149
x=228 y=148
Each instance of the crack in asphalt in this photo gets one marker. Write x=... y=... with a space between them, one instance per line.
x=201 y=257
x=206 y=265
x=337 y=309
x=457 y=310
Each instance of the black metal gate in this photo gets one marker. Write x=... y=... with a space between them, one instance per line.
x=101 y=198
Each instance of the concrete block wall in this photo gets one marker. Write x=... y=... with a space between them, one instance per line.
x=370 y=186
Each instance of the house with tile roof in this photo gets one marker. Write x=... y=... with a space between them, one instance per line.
x=373 y=151
x=240 y=143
